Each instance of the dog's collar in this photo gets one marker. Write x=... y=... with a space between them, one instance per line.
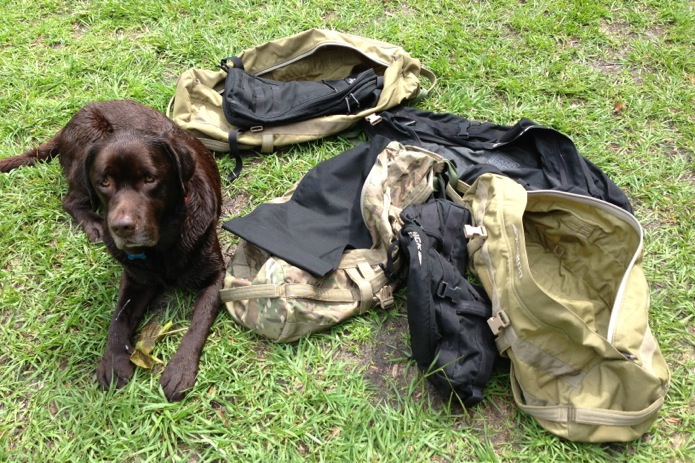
x=140 y=256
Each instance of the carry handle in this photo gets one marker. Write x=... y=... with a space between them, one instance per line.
x=236 y=62
x=432 y=78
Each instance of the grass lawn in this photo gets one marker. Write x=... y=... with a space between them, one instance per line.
x=617 y=77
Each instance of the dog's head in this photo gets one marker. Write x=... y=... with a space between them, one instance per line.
x=138 y=181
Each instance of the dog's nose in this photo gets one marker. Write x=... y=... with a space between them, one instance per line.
x=123 y=225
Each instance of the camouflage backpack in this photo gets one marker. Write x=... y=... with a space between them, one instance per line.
x=253 y=102
x=283 y=302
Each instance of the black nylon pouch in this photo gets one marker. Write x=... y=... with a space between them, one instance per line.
x=250 y=101
x=447 y=315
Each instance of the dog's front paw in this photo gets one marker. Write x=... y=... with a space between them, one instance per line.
x=94 y=230
x=115 y=369
x=178 y=378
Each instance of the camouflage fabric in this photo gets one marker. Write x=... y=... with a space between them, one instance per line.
x=283 y=303
x=401 y=176
x=570 y=308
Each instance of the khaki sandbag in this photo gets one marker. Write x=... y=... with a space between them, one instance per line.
x=570 y=308
x=312 y=55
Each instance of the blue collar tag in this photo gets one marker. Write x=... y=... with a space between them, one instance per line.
x=140 y=256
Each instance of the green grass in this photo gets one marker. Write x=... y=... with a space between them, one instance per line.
x=349 y=394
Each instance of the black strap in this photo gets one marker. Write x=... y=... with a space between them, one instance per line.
x=389 y=267
x=232 y=139
x=233 y=135
x=467 y=299
x=236 y=61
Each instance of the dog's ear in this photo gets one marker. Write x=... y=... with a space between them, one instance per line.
x=87 y=177
x=181 y=158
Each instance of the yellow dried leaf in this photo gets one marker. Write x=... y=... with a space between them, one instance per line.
x=142 y=355
x=143 y=360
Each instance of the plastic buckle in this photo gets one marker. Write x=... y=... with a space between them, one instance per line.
x=385 y=297
x=373 y=119
x=470 y=230
x=446 y=291
x=499 y=322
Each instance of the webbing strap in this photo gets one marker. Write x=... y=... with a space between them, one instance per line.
x=453 y=194
x=476 y=308
x=236 y=62
x=429 y=75
x=464 y=297
x=365 y=288
x=592 y=416
x=296 y=290
x=267 y=143
x=233 y=140
x=369 y=285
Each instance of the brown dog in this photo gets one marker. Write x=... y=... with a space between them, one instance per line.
x=151 y=192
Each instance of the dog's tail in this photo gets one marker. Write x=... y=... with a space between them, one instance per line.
x=44 y=152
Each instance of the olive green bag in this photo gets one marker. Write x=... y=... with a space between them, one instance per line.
x=283 y=303
x=312 y=55
x=570 y=308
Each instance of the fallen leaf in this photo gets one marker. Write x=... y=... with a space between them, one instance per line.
x=619 y=107
x=143 y=360
x=142 y=355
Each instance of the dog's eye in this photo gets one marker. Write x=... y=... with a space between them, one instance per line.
x=150 y=179
x=105 y=183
